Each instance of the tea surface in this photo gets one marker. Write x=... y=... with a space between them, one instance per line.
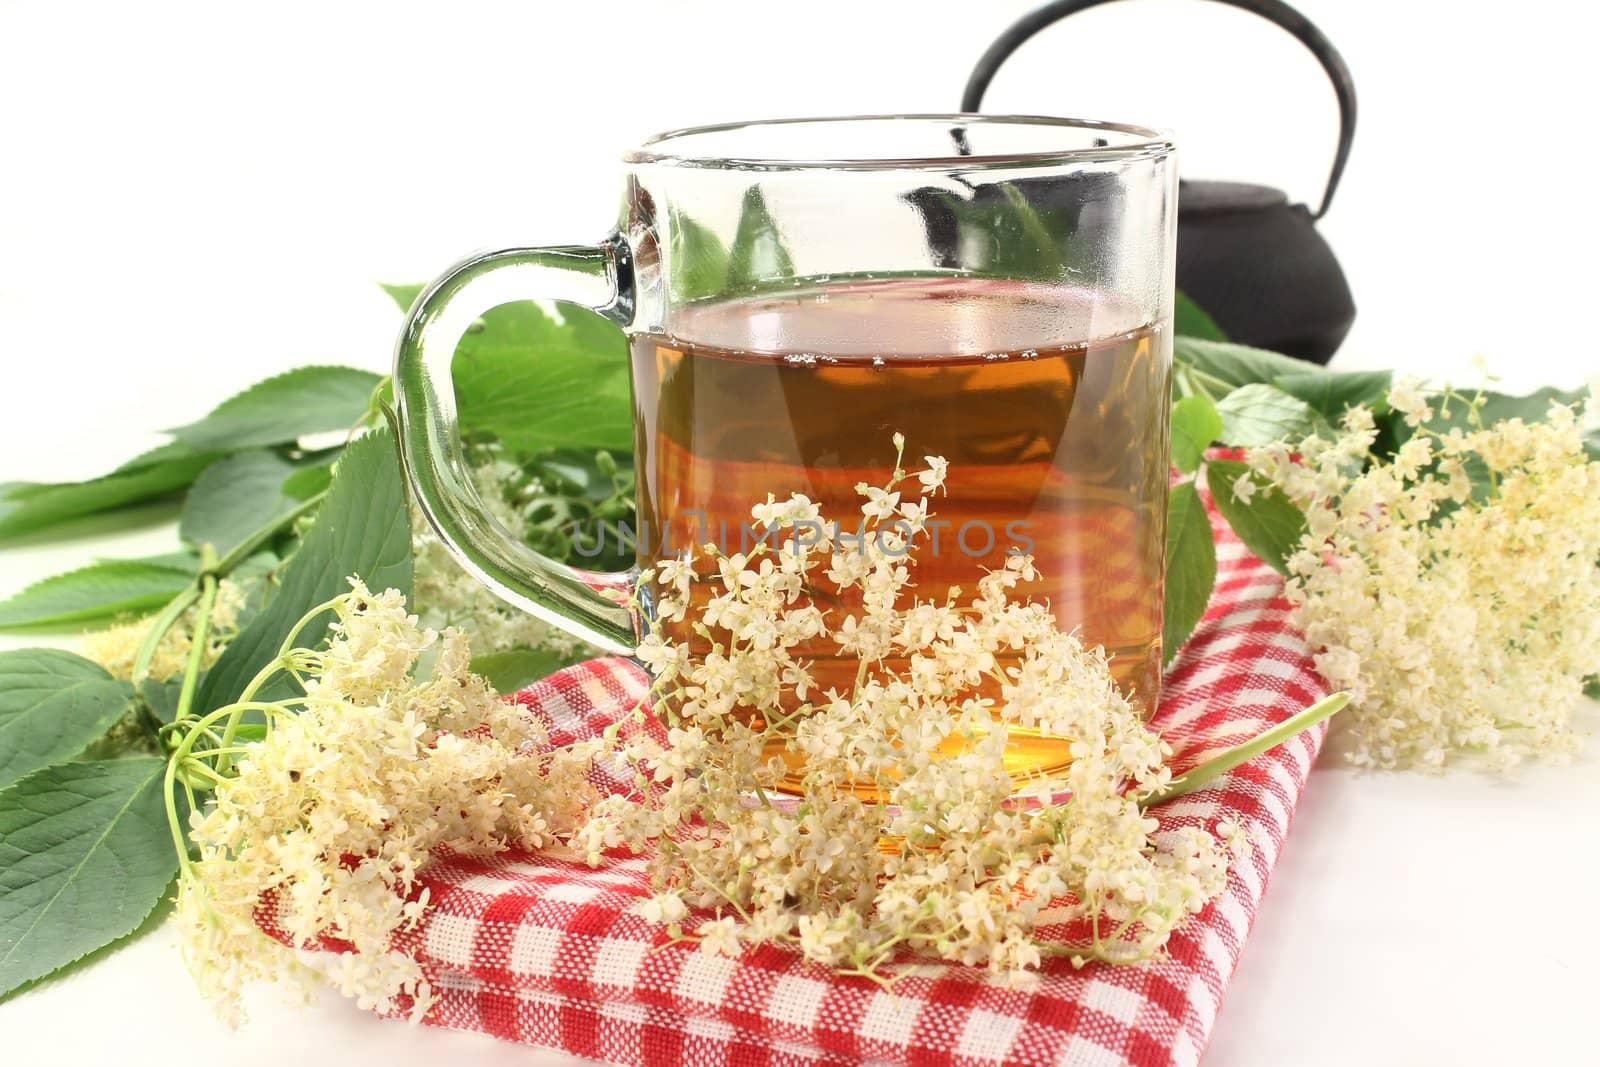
x=1057 y=446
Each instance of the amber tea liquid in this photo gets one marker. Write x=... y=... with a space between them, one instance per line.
x=1057 y=444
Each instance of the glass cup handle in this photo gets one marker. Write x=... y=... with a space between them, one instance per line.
x=587 y=604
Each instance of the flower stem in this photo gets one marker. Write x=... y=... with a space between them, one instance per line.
x=200 y=632
x=163 y=622
x=1200 y=776
x=216 y=569
x=180 y=753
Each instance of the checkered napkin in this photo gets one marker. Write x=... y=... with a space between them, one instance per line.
x=536 y=949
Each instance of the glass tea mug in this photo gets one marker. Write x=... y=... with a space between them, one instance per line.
x=795 y=292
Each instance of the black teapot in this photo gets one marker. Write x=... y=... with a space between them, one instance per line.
x=1251 y=259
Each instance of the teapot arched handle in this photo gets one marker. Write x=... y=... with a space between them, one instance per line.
x=1274 y=11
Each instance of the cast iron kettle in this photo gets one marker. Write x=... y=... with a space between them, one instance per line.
x=1254 y=261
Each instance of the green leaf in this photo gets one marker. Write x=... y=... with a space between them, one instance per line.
x=1195 y=424
x=362 y=528
x=1191 y=568
x=697 y=263
x=284 y=408
x=519 y=668
x=1190 y=320
x=156 y=920
x=162 y=697
x=28 y=507
x=185 y=559
x=758 y=254
x=94 y=593
x=161 y=455
x=1591 y=687
x=53 y=705
x=1260 y=414
x=577 y=472
x=234 y=498
x=535 y=382
x=1235 y=364
x=85 y=856
x=307 y=482
x=405 y=295
x=1333 y=392
x=1269 y=525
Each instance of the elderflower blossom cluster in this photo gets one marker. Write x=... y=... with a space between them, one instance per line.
x=1451 y=588
x=116 y=647
x=446 y=595
x=904 y=831
x=331 y=815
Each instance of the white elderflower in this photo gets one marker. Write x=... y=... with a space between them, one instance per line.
x=332 y=814
x=719 y=936
x=1461 y=611
x=1407 y=397
x=902 y=831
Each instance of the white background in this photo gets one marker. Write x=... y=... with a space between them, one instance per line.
x=193 y=196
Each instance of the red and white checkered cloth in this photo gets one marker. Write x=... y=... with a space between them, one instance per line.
x=554 y=953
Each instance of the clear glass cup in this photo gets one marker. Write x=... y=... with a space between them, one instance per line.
x=996 y=288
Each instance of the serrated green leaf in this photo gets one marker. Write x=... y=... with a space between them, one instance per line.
x=758 y=254
x=1269 y=525
x=1191 y=568
x=1333 y=392
x=697 y=263
x=1190 y=320
x=162 y=455
x=234 y=498
x=519 y=668
x=1235 y=364
x=53 y=704
x=186 y=560
x=535 y=382
x=28 y=507
x=284 y=408
x=404 y=295
x=362 y=528
x=85 y=856
x=1260 y=414
x=94 y=593
x=1195 y=424
x=156 y=920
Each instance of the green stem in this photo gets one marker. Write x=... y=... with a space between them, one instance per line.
x=175 y=608
x=278 y=663
x=1205 y=380
x=1213 y=768
x=170 y=782
x=158 y=631
x=199 y=633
